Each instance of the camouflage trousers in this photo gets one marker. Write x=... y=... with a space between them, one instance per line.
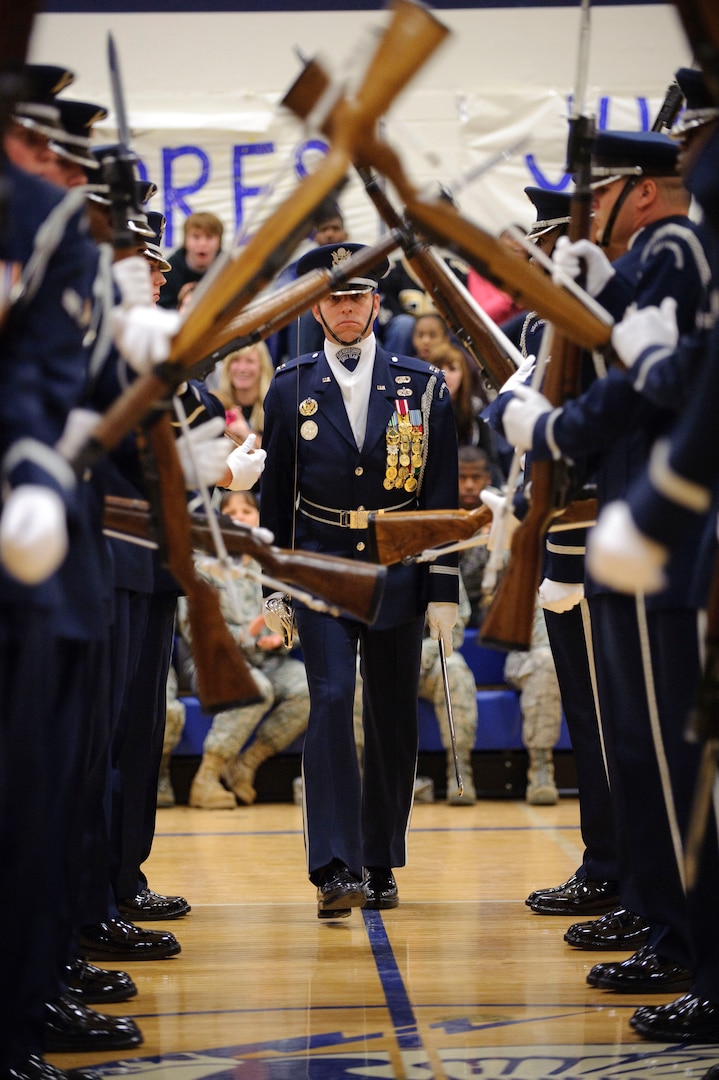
x=462 y=692
x=175 y=719
x=280 y=717
x=534 y=675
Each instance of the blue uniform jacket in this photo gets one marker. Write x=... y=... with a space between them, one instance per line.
x=312 y=454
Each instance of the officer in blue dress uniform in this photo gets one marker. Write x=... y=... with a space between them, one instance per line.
x=349 y=430
x=593 y=888
x=640 y=643
x=54 y=606
x=631 y=544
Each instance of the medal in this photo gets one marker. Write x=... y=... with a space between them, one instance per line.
x=308 y=407
x=309 y=430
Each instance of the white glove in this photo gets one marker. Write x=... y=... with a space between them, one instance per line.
x=582 y=256
x=622 y=557
x=521 y=375
x=279 y=616
x=504 y=523
x=33 y=533
x=441 y=617
x=132 y=277
x=521 y=415
x=645 y=327
x=246 y=465
x=203 y=453
x=560 y=596
x=78 y=428
x=144 y=335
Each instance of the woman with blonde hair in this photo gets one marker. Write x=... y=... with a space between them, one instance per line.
x=244 y=380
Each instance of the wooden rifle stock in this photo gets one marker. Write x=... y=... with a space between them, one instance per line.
x=402 y=534
x=347 y=587
x=455 y=304
x=509 y=620
x=224 y=679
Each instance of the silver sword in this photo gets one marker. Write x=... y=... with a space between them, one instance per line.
x=450 y=717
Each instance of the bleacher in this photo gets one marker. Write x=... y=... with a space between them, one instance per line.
x=499 y=759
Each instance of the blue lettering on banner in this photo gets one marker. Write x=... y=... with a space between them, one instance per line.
x=175 y=197
x=241 y=191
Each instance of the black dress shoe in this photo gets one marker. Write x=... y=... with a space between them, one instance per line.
x=70 y=1026
x=338 y=891
x=36 y=1068
x=120 y=940
x=617 y=930
x=688 y=1019
x=149 y=905
x=642 y=973
x=380 y=888
x=713 y=1073
x=95 y=986
x=575 y=897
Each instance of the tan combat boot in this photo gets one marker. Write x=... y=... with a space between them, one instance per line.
x=469 y=793
x=239 y=774
x=541 y=788
x=165 y=790
x=206 y=792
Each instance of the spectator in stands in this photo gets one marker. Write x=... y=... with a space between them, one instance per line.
x=472 y=430
x=239 y=740
x=202 y=243
x=475 y=474
x=496 y=303
x=463 y=695
x=429 y=331
x=244 y=378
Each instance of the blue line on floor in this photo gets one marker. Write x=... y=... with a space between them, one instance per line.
x=398 y=1003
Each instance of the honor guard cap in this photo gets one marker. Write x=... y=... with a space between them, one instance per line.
x=99 y=188
x=552 y=210
x=38 y=109
x=700 y=107
x=156 y=221
x=77 y=119
x=331 y=256
x=632 y=153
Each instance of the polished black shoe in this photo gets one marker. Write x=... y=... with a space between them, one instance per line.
x=338 y=891
x=36 y=1068
x=575 y=897
x=120 y=940
x=380 y=888
x=148 y=906
x=688 y=1019
x=642 y=973
x=70 y=1026
x=617 y=930
x=95 y=986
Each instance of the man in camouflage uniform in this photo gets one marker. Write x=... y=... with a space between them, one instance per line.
x=533 y=673
x=280 y=717
x=463 y=693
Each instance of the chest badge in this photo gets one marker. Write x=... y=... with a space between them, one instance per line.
x=308 y=407
x=309 y=430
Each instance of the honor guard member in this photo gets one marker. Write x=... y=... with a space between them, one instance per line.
x=593 y=888
x=54 y=611
x=349 y=430
x=640 y=643
x=630 y=546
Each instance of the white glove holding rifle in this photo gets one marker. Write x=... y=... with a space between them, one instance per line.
x=582 y=257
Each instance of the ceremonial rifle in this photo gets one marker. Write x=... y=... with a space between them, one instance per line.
x=401 y=534
x=410 y=38
x=494 y=354
x=701 y=25
x=223 y=675
x=347 y=587
x=509 y=620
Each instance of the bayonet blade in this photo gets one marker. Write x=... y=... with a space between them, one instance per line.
x=118 y=100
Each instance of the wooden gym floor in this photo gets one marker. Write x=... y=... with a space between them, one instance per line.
x=461 y=980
